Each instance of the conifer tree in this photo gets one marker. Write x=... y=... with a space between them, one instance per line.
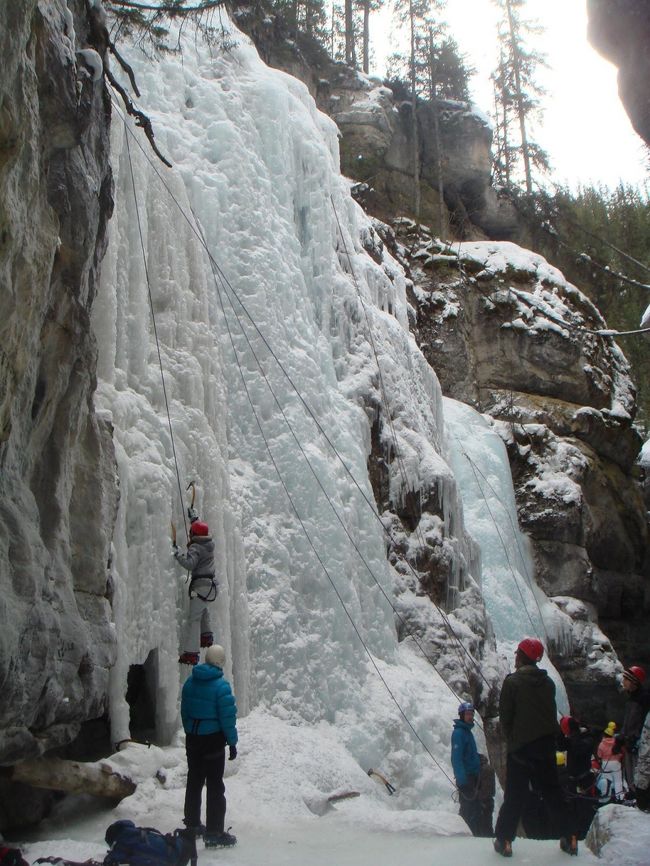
x=517 y=95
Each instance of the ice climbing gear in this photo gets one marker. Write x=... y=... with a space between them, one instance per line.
x=199 y=528
x=207 y=639
x=378 y=777
x=220 y=840
x=532 y=648
x=465 y=707
x=191 y=511
x=634 y=674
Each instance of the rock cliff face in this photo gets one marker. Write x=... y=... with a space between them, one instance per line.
x=376 y=139
x=620 y=30
x=506 y=333
x=58 y=488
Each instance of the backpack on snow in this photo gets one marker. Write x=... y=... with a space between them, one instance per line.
x=144 y=846
x=12 y=857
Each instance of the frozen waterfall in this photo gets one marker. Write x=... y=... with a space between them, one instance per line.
x=277 y=324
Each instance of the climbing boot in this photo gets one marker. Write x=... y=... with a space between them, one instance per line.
x=570 y=846
x=189 y=659
x=207 y=638
x=503 y=847
x=219 y=840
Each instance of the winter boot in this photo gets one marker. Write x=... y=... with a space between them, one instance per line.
x=189 y=659
x=570 y=846
x=207 y=638
x=503 y=847
x=219 y=840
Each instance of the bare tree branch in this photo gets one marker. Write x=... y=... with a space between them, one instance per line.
x=125 y=66
x=141 y=119
x=167 y=9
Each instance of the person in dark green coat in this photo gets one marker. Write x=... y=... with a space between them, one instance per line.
x=528 y=715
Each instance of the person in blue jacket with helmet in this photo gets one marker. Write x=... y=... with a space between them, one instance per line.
x=209 y=715
x=466 y=764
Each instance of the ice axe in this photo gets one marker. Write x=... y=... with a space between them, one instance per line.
x=382 y=780
x=191 y=513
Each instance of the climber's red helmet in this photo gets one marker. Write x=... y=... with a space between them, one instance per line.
x=199 y=528
x=532 y=648
x=634 y=674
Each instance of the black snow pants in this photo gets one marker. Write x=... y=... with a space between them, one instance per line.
x=206 y=760
x=532 y=766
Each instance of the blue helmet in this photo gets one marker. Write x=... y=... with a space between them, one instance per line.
x=465 y=707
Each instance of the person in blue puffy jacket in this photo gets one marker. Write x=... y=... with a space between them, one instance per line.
x=466 y=763
x=209 y=715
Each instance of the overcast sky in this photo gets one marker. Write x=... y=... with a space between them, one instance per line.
x=585 y=129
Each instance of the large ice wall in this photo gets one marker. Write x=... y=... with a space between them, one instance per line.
x=292 y=311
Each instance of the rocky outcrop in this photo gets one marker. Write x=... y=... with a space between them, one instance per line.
x=58 y=488
x=507 y=334
x=620 y=30
x=376 y=138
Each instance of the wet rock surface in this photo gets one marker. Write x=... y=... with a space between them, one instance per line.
x=58 y=490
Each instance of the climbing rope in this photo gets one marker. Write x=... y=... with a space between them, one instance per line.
x=450 y=631
x=226 y=282
x=218 y=273
x=220 y=287
x=409 y=633
x=155 y=330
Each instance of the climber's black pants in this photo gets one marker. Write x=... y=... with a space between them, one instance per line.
x=533 y=766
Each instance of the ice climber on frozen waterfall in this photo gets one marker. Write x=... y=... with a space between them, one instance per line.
x=203 y=587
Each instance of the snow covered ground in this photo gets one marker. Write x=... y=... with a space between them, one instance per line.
x=278 y=771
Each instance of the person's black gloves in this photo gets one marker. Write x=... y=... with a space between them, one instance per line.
x=174 y=548
x=232 y=754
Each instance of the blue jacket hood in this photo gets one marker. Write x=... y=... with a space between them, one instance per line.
x=207 y=672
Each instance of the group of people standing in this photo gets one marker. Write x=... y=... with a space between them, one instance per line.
x=529 y=723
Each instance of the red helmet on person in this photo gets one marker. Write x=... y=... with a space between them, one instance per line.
x=532 y=648
x=199 y=528
x=634 y=673
x=568 y=725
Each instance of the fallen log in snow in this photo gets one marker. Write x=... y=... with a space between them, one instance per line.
x=74 y=777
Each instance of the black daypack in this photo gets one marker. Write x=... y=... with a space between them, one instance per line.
x=144 y=846
x=12 y=857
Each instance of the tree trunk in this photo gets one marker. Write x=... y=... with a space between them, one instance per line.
x=414 y=118
x=75 y=778
x=436 y=131
x=520 y=101
x=366 y=36
x=350 y=54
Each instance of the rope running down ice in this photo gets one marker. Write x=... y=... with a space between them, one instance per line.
x=294 y=387
x=155 y=330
